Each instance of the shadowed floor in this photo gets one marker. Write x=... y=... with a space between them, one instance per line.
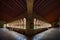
x=51 y=34
x=5 y=34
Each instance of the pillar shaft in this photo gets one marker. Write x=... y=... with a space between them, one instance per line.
x=30 y=19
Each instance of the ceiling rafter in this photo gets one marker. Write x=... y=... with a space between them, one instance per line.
x=39 y=4
x=9 y=16
x=23 y=3
x=45 y=4
x=50 y=7
x=15 y=5
x=20 y=4
x=6 y=4
x=11 y=7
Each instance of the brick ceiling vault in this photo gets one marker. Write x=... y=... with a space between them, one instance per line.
x=13 y=9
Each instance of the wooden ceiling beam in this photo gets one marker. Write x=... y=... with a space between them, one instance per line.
x=9 y=5
x=20 y=4
x=6 y=4
x=37 y=2
x=46 y=3
x=40 y=3
x=17 y=5
x=24 y=4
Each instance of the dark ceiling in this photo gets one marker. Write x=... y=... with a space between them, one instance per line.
x=48 y=9
x=12 y=9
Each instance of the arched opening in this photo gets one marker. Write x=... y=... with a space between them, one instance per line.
x=41 y=24
x=20 y=23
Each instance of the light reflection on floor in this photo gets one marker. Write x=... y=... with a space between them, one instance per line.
x=5 y=34
x=51 y=34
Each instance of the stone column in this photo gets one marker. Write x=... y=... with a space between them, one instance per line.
x=29 y=17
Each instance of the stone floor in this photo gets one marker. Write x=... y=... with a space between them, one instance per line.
x=6 y=34
x=51 y=34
